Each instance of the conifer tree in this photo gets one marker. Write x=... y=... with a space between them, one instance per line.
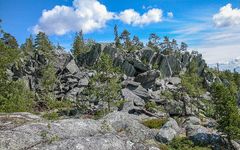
x=78 y=46
x=28 y=46
x=136 y=43
x=116 y=37
x=153 y=41
x=125 y=36
x=226 y=111
x=183 y=46
x=42 y=43
x=9 y=40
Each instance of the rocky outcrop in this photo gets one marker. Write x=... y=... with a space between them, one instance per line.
x=139 y=62
x=168 y=131
x=117 y=130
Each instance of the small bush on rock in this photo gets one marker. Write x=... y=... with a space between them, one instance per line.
x=155 y=123
x=181 y=143
x=51 y=116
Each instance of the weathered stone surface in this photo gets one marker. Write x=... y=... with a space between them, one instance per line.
x=174 y=108
x=174 y=80
x=72 y=67
x=128 y=68
x=91 y=57
x=130 y=125
x=99 y=142
x=192 y=121
x=201 y=135
x=130 y=96
x=168 y=131
x=117 y=130
x=147 y=78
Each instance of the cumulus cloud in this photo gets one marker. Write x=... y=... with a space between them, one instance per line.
x=130 y=16
x=170 y=14
x=227 y=16
x=86 y=15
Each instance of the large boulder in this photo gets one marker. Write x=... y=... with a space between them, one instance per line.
x=130 y=125
x=146 y=54
x=132 y=98
x=72 y=67
x=202 y=136
x=128 y=68
x=147 y=79
x=167 y=133
x=91 y=57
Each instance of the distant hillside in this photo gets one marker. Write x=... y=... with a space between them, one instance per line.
x=230 y=65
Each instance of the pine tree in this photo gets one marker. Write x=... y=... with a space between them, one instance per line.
x=116 y=37
x=183 y=46
x=9 y=40
x=153 y=41
x=125 y=36
x=78 y=44
x=136 y=43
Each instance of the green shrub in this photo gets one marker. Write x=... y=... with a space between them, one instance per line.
x=51 y=116
x=15 y=97
x=167 y=94
x=56 y=104
x=163 y=147
x=100 y=113
x=120 y=103
x=182 y=143
x=193 y=84
x=154 y=123
x=209 y=108
x=151 y=106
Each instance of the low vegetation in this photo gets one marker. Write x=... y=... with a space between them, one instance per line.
x=155 y=123
x=182 y=143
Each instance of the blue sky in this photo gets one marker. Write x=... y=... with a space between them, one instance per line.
x=209 y=26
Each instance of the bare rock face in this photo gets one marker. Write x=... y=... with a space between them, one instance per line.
x=117 y=130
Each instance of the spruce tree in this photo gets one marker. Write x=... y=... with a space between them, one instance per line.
x=14 y=96
x=226 y=111
x=28 y=46
x=42 y=43
x=78 y=46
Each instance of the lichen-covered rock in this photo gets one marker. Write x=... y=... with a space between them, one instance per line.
x=130 y=125
x=147 y=79
x=91 y=57
x=201 y=135
x=192 y=121
x=168 y=131
x=99 y=142
x=117 y=130
x=130 y=96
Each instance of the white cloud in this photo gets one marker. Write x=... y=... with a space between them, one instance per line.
x=227 y=16
x=170 y=14
x=86 y=15
x=130 y=16
x=214 y=54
